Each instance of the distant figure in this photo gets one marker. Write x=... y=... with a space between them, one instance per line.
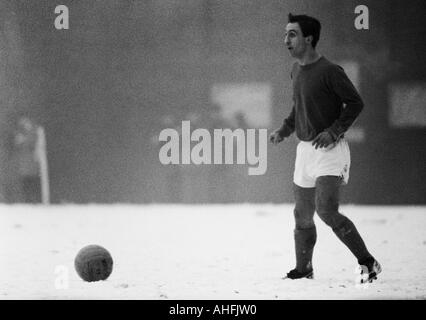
x=27 y=152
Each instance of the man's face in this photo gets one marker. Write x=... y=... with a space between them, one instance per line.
x=295 y=41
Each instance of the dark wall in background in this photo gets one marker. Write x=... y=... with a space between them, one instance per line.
x=103 y=89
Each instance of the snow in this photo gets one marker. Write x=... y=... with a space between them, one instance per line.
x=207 y=252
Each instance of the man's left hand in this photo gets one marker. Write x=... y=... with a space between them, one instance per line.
x=323 y=140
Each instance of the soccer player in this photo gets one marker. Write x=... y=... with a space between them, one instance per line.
x=325 y=104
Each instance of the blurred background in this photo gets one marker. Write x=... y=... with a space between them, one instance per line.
x=103 y=90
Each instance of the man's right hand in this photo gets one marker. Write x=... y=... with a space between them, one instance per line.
x=276 y=137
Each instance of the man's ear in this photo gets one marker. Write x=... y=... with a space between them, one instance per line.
x=309 y=39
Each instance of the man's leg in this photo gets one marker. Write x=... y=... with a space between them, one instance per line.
x=305 y=234
x=327 y=205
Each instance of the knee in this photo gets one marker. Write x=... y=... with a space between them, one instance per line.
x=305 y=207
x=303 y=219
x=328 y=218
x=331 y=217
x=328 y=209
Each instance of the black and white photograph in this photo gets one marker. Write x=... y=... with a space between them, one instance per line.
x=220 y=150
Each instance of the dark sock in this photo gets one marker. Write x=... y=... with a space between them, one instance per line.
x=348 y=234
x=367 y=262
x=305 y=240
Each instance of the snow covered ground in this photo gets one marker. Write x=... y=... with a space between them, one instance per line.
x=203 y=252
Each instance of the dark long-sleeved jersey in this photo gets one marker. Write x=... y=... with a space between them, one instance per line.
x=324 y=100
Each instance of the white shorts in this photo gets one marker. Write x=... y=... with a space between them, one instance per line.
x=312 y=163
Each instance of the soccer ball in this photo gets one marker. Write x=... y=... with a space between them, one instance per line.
x=93 y=263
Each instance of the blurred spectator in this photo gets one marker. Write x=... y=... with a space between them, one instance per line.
x=27 y=155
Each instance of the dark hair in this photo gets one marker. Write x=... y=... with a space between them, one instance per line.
x=309 y=26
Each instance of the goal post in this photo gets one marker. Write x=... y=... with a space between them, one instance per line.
x=44 y=170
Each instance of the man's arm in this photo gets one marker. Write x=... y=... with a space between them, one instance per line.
x=343 y=87
x=288 y=125
x=285 y=130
